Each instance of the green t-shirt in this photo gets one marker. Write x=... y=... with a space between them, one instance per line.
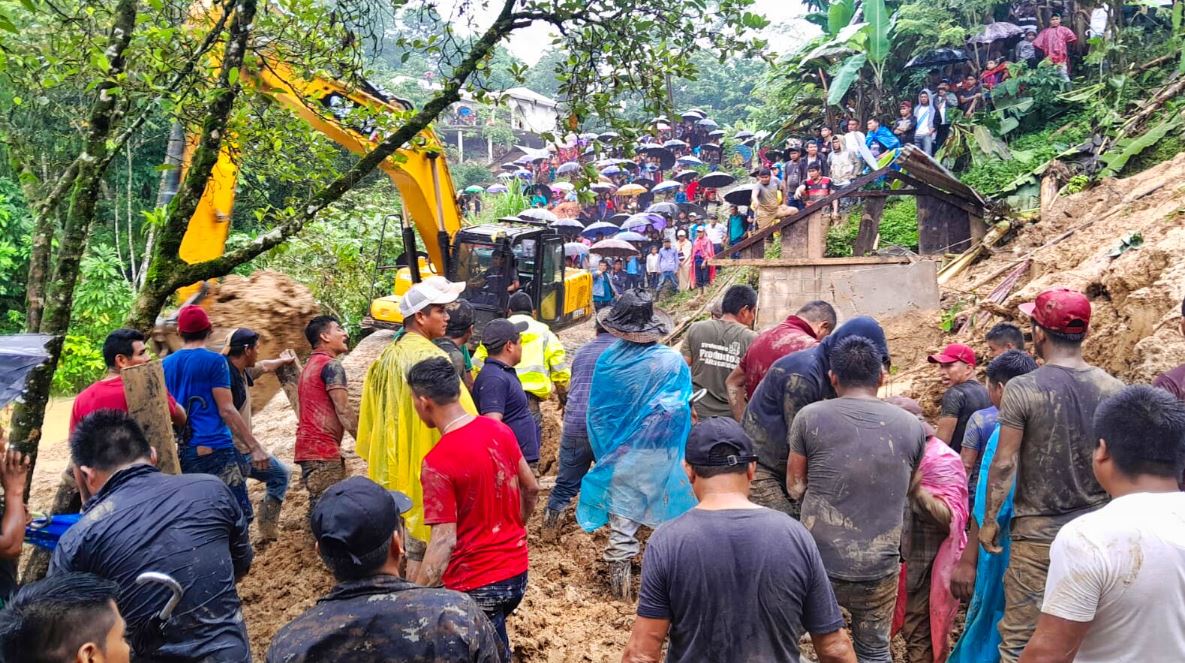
x=715 y=347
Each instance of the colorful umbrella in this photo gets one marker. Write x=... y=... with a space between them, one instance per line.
x=642 y=220
x=473 y=188
x=613 y=248
x=631 y=190
x=44 y=531
x=505 y=176
x=524 y=174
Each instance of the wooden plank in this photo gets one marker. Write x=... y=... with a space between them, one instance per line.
x=870 y=222
x=925 y=189
x=942 y=227
x=289 y=377
x=148 y=404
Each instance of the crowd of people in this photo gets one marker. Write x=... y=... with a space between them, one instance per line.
x=781 y=485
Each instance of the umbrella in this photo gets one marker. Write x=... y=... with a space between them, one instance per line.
x=660 y=118
x=669 y=185
x=569 y=167
x=644 y=181
x=692 y=208
x=666 y=158
x=510 y=166
x=628 y=165
x=539 y=214
x=564 y=225
x=716 y=180
x=505 y=176
x=497 y=188
x=600 y=229
x=742 y=195
x=707 y=122
x=588 y=136
x=642 y=220
x=612 y=170
x=670 y=209
x=563 y=186
x=618 y=218
x=525 y=174
x=602 y=187
x=473 y=188
x=693 y=115
x=938 y=57
x=689 y=160
x=716 y=133
x=708 y=146
x=542 y=190
x=995 y=31
x=605 y=163
x=613 y=248
x=674 y=142
x=686 y=175
x=630 y=236
x=608 y=136
x=572 y=249
x=631 y=190
x=742 y=135
x=773 y=155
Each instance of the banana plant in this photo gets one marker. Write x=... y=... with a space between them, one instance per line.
x=869 y=41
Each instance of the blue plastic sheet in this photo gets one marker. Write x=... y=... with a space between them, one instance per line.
x=639 y=416
x=19 y=354
x=46 y=530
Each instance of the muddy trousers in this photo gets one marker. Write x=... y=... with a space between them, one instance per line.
x=925 y=538
x=870 y=603
x=275 y=477
x=623 y=539
x=768 y=489
x=1024 y=589
x=498 y=600
x=223 y=463
x=576 y=457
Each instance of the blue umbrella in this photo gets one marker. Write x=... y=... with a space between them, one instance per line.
x=612 y=170
x=525 y=174
x=567 y=224
x=630 y=236
x=497 y=188
x=600 y=229
x=566 y=168
x=643 y=219
x=669 y=185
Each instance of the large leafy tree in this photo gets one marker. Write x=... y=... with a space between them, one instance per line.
x=104 y=74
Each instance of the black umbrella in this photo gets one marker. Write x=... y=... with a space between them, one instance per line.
x=742 y=195
x=717 y=133
x=938 y=57
x=644 y=181
x=692 y=208
x=666 y=158
x=685 y=175
x=543 y=190
x=709 y=146
x=149 y=637
x=618 y=218
x=774 y=155
x=716 y=180
x=742 y=135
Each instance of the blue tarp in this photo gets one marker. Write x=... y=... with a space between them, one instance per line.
x=639 y=416
x=19 y=354
x=46 y=531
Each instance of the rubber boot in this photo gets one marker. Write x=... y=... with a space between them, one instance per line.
x=551 y=525
x=620 y=584
x=268 y=521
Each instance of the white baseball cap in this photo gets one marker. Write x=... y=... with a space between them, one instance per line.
x=432 y=290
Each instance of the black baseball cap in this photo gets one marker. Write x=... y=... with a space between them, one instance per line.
x=460 y=317
x=243 y=338
x=713 y=431
x=499 y=331
x=356 y=517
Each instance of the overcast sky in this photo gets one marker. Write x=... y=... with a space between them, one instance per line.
x=530 y=43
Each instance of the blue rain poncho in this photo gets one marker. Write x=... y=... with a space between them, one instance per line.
x=639 y=416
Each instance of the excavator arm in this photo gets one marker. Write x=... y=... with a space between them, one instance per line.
x=419 y=170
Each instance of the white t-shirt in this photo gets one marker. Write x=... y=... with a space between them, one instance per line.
x=715 y=232
x=652 y=263
x=1123 y=567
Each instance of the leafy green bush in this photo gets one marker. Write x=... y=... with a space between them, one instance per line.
x=15 y=226
x=102 y=299
x=81 y=364
x=899 y=227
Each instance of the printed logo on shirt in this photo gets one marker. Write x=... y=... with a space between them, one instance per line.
x=720 y=356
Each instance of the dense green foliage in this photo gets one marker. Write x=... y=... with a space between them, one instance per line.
x=15 y=226
x=899 y=227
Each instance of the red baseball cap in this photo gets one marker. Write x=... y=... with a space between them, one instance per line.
x=1060 y=310
x=192 y=319
x=952 y=353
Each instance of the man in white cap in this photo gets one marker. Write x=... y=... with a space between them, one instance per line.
x=392 y=438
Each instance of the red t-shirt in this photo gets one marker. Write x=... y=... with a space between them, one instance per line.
x=790 y=335
x=471 y=478
x=104 y=395
x=319 y=431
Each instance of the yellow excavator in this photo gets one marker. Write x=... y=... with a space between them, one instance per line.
x=489 y=258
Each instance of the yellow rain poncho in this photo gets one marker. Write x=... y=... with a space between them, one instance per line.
x=544 y=363
x=391 y=437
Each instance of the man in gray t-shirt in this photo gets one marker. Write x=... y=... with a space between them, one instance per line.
x=730 y=580
x=713 y=348
x=852 y=463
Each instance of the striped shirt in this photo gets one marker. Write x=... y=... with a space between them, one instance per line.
x=576 y=411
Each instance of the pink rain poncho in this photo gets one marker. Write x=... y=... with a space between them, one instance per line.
x=944 y=477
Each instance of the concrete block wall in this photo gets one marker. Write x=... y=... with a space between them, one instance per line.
x=877 y=289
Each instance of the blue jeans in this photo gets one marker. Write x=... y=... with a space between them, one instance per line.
x=498 y=600
x=669 y=277
x=223 y=463
x=275 y=477
x=576 y=456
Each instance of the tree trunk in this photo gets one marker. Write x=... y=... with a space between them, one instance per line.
x=870 y=221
